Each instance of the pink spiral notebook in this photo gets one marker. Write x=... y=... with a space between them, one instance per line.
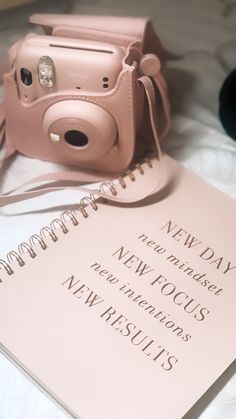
x=127 y=311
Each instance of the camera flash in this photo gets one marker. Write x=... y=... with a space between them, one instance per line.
x=46 y=72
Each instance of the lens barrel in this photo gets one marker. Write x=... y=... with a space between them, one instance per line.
x=76 y=138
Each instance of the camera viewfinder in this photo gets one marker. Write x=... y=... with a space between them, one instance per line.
x=26 y=76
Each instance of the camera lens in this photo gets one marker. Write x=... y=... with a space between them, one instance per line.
x=76 y=138
x=26 y=76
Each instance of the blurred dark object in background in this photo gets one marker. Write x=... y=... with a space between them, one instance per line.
x=9 y=4
x=227 y=111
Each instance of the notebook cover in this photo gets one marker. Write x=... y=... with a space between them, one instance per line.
x=131 y=313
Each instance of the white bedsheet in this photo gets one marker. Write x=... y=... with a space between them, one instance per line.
x=201 y=31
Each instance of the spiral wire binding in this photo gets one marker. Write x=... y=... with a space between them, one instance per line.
x=62 y=222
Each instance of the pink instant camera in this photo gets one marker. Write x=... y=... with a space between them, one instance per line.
x=72 y=94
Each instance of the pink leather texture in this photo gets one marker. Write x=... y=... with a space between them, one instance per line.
x=127 y=120
x=125 y=102
x=116 y=29
x=39 y=186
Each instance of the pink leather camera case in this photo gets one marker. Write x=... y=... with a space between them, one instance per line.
x=73 y=96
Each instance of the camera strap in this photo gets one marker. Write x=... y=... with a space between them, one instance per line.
x=43 y=184
x=7 y=150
